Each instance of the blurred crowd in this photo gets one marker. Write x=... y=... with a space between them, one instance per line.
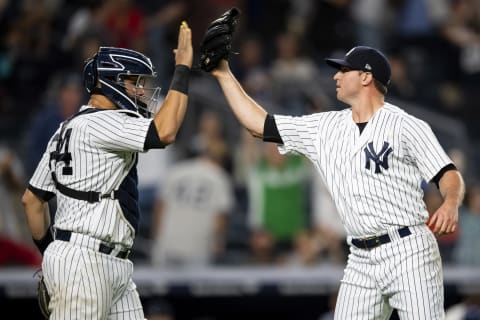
x=218 y=196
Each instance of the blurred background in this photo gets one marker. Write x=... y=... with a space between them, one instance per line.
x=230 y=229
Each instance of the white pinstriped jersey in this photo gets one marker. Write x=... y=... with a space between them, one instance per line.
x=104 y=148
x=374 y=177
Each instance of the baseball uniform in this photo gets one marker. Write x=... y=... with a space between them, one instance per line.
x=87 y=271
x=375 y=178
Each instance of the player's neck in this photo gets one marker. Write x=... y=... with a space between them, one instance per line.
x=99 y=101
x=365 y=107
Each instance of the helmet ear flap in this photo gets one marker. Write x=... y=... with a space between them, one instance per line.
x=90 y=74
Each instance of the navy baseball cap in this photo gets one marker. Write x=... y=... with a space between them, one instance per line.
x=365 y=59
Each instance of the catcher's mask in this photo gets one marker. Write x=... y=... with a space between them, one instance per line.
x=126 y=77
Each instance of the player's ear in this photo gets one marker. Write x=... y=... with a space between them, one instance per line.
x=366 y=78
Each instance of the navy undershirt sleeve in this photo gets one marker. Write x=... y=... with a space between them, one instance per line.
x=270 y=130
x=152 y=141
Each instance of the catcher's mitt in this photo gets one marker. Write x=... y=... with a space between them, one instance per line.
x=217 y=41
x=43 y=297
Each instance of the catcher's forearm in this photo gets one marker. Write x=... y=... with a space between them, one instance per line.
x=250 y=114
x=170 y=117
x=36 y=211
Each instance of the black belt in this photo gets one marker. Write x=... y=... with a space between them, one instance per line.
x=65 y=235
x=373 y=242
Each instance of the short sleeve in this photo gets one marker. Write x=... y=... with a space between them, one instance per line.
x=299 y=134
x=119 y=130
x=423 y=147
x=42 y=178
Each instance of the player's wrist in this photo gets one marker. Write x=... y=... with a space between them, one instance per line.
x=43 y=243
x=180 y=79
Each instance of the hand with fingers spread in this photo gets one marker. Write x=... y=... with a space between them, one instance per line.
x=184 y=51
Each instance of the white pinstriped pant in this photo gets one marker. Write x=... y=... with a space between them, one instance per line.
x=89 y=285
x=404 y=274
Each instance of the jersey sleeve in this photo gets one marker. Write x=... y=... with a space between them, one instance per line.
x=41 y=182
x=299 y=134
x=119 y=130
x=423 y=148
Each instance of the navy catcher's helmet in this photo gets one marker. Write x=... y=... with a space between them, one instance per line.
x=126 y=77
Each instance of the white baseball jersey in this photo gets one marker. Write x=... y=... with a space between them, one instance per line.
x=375 y=180
x=98 y=153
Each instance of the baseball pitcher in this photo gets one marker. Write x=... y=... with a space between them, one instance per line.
x=373 y=157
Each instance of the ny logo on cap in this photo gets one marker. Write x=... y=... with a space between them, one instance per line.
x=380 y=159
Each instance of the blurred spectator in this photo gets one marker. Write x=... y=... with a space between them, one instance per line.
x=210 y=131
x=299 y=15
x=371 y=28
x=468 y=309
x=159 y=309
x=12 y=183
x=416 y=35
x=190 y=217
x=418 y=19
x=125 y=25
x=278 y=197
x=306 y=251
x=67 y=94
x=331 y=27
x=262 y=249
x=31 y=54
x=162 y=20
x=402 y=85
x=463 y=30
x=152 y=168
x=468 y=245
x=252 y=73
x=332 y=301
x=87 y=19
x=329 y=233
x=16 y=247
x=295 y=78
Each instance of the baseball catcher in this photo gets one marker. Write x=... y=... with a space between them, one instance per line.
x=217 y=41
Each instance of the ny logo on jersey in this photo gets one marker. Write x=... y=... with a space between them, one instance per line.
x=380 y=159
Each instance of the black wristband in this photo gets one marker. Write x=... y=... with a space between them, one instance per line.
x=43 y=243
x=180 y=79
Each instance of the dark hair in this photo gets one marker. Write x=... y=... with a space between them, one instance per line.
x=380 y=87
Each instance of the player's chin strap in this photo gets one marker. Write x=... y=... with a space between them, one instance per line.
x=90 y=196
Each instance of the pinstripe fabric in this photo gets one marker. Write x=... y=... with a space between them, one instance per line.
x=375 y=180
x=405 y=274
x=332 y=141
x=103 y=146
x=84 y=283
